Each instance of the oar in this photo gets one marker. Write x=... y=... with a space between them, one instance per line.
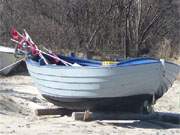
x=51 y=54
x=55 y=57
x=40 y=54
x=27 y=37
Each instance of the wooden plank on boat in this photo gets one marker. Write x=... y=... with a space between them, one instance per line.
x=53 y=111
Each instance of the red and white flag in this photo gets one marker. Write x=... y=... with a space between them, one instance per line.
x=15 y=35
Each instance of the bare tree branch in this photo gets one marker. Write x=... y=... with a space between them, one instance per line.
x=99 y=23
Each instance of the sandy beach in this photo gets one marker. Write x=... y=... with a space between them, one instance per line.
x=18 y=96
x=102 y=55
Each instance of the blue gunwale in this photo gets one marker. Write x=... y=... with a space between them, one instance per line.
x=98 y=64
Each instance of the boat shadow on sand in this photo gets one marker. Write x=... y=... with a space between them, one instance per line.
x=155 y=120
x=144 y=124
x=159 y=120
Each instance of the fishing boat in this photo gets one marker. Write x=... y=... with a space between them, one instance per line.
x=7 y=58
x=84 y=84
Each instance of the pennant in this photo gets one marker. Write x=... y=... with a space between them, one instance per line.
x=14 y=34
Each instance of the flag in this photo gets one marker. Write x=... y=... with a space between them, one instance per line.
x=14 y=34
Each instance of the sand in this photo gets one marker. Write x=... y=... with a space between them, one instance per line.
x=18 y=97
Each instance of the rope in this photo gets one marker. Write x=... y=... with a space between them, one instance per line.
x=12 y=64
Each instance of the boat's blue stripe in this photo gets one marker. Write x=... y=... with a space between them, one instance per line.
x=138 y=61
x=134 y=62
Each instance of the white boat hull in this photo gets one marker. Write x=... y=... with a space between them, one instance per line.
x=96 y=87
x=86 y=82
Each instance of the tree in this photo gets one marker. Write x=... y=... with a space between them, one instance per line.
x=122 y=28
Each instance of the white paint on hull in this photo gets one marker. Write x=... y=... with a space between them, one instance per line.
x=96 y=82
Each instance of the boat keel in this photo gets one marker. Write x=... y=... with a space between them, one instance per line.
x=128 y=104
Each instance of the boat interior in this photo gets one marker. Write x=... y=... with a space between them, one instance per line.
x=95 y=63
